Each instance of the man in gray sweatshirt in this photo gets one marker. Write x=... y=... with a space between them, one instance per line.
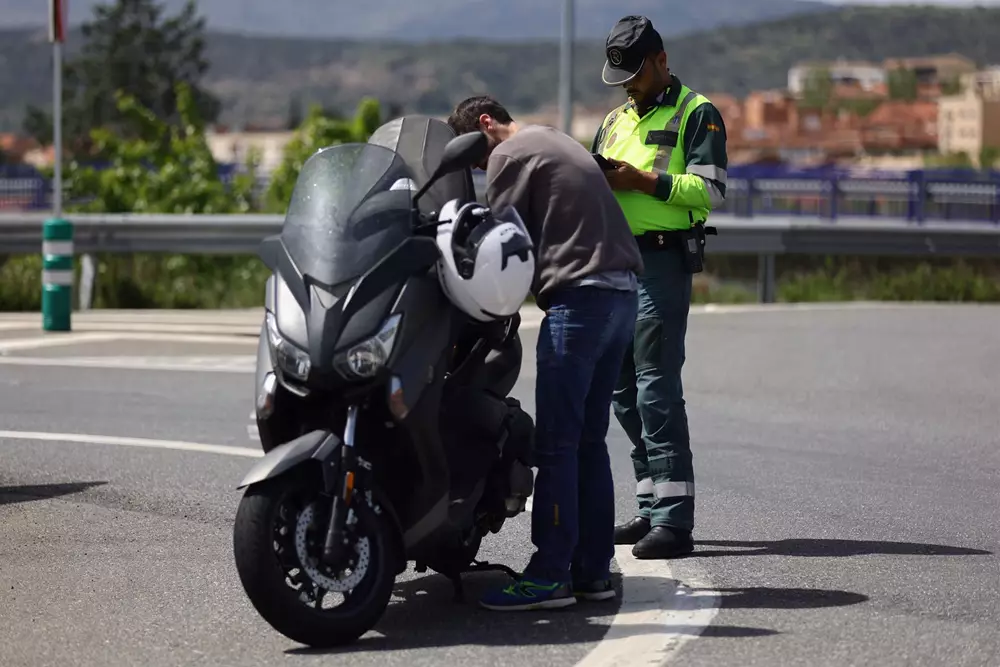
x=587 y=261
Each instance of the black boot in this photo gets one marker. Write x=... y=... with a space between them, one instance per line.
x=631 y=532
x=662 y=543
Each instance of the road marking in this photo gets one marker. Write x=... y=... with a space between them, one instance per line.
x=178 y=445
x=54 y=340
x=806 y=307
x=651 y=596
x=223 y=364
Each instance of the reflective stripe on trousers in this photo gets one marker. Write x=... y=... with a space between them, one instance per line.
x=665 y=489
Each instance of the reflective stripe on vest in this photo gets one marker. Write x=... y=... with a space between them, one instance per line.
x=663 y=154
x=648 y=144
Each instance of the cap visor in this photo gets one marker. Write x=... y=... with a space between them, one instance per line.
x=613 y=76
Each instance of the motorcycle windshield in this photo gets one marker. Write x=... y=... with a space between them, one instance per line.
x=351 y=205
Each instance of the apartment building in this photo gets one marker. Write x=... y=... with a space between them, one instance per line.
x=969 y=122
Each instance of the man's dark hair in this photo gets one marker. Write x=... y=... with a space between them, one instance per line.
x=465 y=118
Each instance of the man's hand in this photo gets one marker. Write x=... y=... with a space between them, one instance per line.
x=626 y=177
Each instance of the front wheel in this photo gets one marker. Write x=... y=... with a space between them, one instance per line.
x=278 y=540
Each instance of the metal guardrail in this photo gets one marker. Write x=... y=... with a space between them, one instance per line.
x=241 y=234
x=754 y=190
x=764 y=236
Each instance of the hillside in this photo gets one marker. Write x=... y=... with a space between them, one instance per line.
x=257 y=77
x=437 y=19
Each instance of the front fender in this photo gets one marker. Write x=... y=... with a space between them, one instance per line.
x=319 y=445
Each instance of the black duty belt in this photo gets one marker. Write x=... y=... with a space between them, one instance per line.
x=691 y=243
x=660 y=240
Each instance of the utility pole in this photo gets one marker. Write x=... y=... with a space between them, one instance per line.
x=57 y=35
x=566 y=67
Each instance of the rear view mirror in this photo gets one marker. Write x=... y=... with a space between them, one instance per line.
x=462 y=152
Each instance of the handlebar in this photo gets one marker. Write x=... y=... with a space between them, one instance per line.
x=430 y=222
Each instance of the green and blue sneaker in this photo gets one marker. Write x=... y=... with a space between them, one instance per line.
x=528 y=594
x=594 y=591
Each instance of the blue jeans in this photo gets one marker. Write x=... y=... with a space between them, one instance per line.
x=581 y=345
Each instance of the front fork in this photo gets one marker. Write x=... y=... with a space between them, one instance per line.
x=335 y=547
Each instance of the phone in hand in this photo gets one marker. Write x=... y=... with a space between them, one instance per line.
x=603 y=162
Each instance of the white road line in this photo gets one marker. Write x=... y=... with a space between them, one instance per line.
x=178 y=445
x=238 y=364
x=811 y=306
x=651 y=597
x=53 y=340
x=60 y=339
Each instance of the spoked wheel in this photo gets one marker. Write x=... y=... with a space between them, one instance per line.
x=278 y=542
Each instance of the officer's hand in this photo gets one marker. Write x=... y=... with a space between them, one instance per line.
x=626 y=177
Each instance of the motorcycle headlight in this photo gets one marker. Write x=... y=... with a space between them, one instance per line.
x=365 y=359
x=291 y=360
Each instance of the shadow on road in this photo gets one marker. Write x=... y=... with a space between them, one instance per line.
x=786 y=598
x=23 y=494
x=424 y=614
x=828 y=549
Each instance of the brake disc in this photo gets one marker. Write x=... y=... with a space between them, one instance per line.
x=311 y=565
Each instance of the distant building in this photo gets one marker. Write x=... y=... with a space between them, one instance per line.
x=985 y=82
x=968 y=123
x=861 y=74
x=860 y=79
x=933 y=72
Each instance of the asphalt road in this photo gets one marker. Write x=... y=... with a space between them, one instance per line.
x=848 y=505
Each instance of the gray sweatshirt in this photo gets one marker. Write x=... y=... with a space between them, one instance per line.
x=580 y=234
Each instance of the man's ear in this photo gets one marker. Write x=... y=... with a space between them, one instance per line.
x=661 y=60
x=485 y=122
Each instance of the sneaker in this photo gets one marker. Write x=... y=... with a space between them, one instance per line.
x=594 y=591
x=527 y=595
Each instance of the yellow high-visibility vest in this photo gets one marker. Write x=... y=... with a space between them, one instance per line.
x=650 y=144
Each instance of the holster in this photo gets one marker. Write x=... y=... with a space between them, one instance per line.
x=691 y=243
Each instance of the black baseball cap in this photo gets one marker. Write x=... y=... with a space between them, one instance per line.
x=630 y=41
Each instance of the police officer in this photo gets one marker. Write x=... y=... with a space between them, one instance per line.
x=667 y=151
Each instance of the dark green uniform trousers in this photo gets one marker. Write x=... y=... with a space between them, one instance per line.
x=649 y=398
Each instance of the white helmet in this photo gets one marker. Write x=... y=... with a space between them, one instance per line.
x=487 y=262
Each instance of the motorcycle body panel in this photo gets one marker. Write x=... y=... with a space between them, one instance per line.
x=317 y=445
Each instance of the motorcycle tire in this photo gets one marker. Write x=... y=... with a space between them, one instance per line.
x=263 y=571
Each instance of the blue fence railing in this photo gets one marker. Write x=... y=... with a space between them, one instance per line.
x=829 y=193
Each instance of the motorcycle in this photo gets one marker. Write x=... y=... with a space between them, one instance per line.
x=385 y=414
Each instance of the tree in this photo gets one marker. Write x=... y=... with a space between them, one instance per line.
x=988 y=157
x=317 y=131
x=131 y=47
x=156 y=167
x=902 y=84
x=817 y=89
x=294 y=112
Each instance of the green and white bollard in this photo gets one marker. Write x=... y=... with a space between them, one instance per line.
x=57 y=274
